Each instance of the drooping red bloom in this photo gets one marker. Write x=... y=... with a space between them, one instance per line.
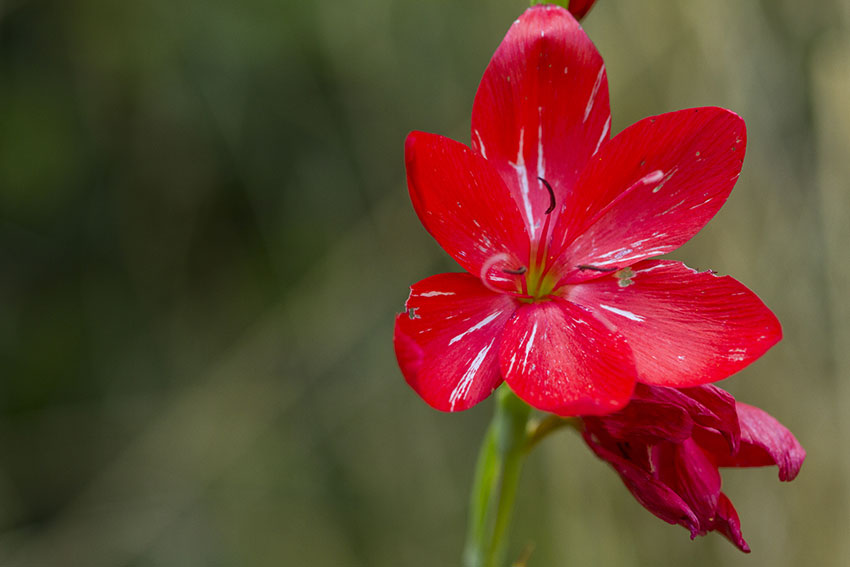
x=580 y=8
x=667 y=445
x=555 y=224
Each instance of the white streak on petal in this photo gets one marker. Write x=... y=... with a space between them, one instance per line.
x=528 y=346
x=481 y=147
x=703 y=203
x=511 y=366
x=649 y=269
x=623 y=313
x=602 y=136
x=435 y=293
x=673 y=208
x=465 y=383
x=475 y=327
x=593 y=93
x=541 y=166
x=522 y=176
x=652 y=177
x=665 y=180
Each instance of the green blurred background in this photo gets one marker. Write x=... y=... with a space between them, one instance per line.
x=205 y=234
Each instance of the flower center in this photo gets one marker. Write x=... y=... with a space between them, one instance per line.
x=533 y=283
x=539 y=283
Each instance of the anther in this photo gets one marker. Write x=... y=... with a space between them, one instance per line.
x=518 y=272
x=551 y=195
x=583 y=267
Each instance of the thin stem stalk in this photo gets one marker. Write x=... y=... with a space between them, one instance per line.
x=497 y=476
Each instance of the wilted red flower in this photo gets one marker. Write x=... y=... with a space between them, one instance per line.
x=580 y=8
x=667 y=445
x=555 y=223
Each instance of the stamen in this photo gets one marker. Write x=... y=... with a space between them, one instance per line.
x=541 y=248
x=518 y=272
x=583 y=267
x=488 y=281
x=551 y=195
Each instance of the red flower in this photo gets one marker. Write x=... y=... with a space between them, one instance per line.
x=580 y=8
x=667 y=445
x=555 y=223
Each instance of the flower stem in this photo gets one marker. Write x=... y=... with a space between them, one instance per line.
x=496 y=479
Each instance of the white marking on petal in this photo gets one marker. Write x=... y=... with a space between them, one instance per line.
x=528 y=346
x=618 y=254
x=651 y=177
x=738 y=354
x=475 y=327
x=435 y=293
x=481 y=147
x=593 y=93
x=665 y=180
x=673 y=208
x=703 y=203
x=522 y=176
x=623 y=313
x=511 y=365
x=649 y=269
x=602 y=136
x=462 y=388
x=541 y=168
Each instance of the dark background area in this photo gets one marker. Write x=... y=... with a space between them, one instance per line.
x=205 y=234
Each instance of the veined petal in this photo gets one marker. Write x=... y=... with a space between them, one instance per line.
x=559 y=358
x=463 y=203
x=542 y=109
x=652 y=493
x=689 y=471
x=707 y=405
x=580 y=8
x=764 y=441
x=648 y=421
x=447 y=342
x=728 y=524
x=684 y=327
x=651 y=189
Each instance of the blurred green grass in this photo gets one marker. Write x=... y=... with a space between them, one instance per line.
x=205 y=233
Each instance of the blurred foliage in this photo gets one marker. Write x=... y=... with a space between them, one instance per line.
x=205 y=233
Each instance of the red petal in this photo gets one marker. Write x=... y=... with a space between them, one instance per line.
x=541 y=109
x=648 y=422
x=692 y=475
x=765 y=441
x=709 y=406
x=579 y=8
x=463 y=202
x=684 y=327
x=651 y=189
x=728 y=524
x=653 y=494
x=559 y=358
x=447 y=341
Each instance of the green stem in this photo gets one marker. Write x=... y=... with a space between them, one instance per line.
x=539 y=430
x=496 y=479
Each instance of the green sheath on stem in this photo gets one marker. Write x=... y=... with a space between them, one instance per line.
x=496 y=478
